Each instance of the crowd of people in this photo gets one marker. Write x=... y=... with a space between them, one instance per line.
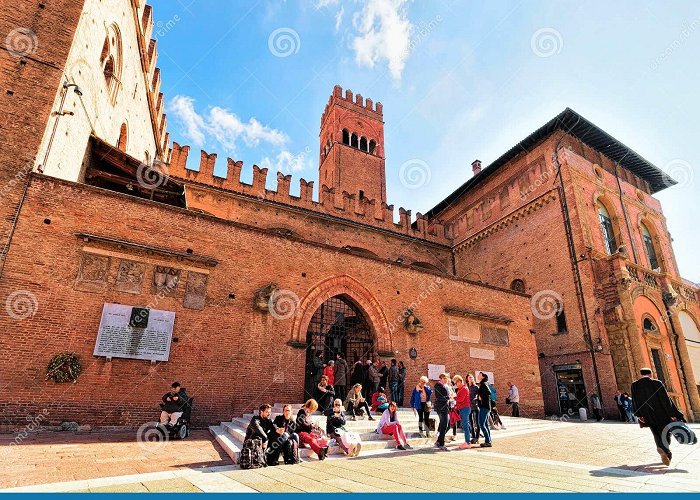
x=456 y=401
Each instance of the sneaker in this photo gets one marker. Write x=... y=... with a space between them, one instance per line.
x=486 y=445
x=400 y=447
x=475 y=441
x=465 y=446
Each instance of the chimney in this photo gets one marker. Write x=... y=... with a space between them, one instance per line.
x=476 y=166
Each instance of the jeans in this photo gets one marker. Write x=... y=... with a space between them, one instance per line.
x=352 y=408
x=442 y=428
x=399 y=393
x=630 y=415
x=623 y=413
x=395 y=392
x=464 y=414
x=483 y=425
x=474 y=421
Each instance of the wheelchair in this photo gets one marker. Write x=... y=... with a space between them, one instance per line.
x=181 y=429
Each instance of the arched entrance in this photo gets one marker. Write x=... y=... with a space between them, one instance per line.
x=337 y=326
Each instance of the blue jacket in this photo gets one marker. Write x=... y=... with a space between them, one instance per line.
x=415 y=397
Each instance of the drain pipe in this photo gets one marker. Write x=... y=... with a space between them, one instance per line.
x=575 y=267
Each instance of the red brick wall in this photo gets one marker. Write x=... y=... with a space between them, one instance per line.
x=227 y=353
x=38 y=36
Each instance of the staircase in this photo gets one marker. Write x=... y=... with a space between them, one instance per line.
x=230 y=435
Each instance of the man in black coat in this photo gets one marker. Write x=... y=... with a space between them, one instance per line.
x=655 y=410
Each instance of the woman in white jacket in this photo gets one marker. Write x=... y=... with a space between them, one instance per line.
x=389 y=424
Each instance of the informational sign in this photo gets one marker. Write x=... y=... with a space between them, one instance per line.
x=434 y=371
x=490 y=374
x=134 y=333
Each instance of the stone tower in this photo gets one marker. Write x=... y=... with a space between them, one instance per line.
x=352 y=146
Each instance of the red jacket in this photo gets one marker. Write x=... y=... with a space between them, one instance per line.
x=328 y=372
x=462 y=398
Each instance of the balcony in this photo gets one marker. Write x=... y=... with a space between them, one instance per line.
x=662 y=282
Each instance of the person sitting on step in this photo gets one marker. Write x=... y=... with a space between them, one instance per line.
x=309 y=433
x=355 y=401
x=348 y=441
x=324 y=394
x=379 y=401
x=284 y=440
x=389 y=424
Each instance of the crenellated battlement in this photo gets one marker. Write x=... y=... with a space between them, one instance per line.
x=366 y=105
x=330 y=201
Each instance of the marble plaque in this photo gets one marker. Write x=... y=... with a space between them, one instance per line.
x=117 y=339
x=475 y=352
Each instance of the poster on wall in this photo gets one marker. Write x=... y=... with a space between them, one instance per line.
x=490 y=374
x=134 y=333
x=434 y=371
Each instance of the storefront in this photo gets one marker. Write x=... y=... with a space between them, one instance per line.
x=570 y=388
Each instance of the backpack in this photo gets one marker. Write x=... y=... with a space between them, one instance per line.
x=252 y=456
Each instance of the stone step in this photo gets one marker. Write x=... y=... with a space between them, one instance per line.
x=225 y=441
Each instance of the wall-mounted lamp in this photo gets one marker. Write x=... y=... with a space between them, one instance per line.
x=76 y=88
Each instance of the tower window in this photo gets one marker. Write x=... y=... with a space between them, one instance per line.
x=372 y=146
x=362 y=194
x=607 y=229
x=561 y=320
x=518 y=286
x=649 y=246
x=353 y=140
x=363 y=143
x=346 y=137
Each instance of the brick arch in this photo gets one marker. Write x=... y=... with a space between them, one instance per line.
x=363 y=298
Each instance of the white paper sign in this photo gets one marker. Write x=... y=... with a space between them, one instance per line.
x=434 y=371
x=117 y=339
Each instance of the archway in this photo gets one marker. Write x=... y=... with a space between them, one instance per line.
x=691 y=332
x=337 y=327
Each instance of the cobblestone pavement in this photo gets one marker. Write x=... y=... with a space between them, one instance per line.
x=572 y=456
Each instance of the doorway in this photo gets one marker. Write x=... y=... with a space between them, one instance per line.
x=337 y=326
x=571 y=389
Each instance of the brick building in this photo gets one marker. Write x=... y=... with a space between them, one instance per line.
x=510 y=274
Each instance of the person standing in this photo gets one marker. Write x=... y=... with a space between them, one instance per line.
x=442 y=408
x=620 y=406
x=329 y=372
x=374 y=376
x=474 y=415
x=394 y=380
x=514 y=398
x=463 y=407
x=655 y=410
x=628 y=407
x=484 y=398
x=420 y=402
x=357 y=375
x=402 y=383
x=383 y=374
x=340 y=372
x=596 y=407
x=318 y=367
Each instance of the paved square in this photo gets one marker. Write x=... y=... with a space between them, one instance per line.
x=538 y=456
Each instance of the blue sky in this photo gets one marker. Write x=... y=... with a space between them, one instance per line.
x=459 y=80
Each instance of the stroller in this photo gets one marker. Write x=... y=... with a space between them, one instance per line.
x=181 y=429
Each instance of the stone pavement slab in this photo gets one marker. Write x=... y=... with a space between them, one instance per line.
x=570 y=457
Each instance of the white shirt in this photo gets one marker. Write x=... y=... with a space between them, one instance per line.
x=513 y=394
x=386 y=419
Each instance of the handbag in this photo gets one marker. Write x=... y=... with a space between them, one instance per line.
x=431 y=424
x=508 y=401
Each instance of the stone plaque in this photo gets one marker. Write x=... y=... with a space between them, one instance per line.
x=464 y=330
x=494 y=335
x=475 y=352
x=196 y=290
x=116 y=337
x=434 y=371
x=130 y=276
x=165 y=280
x=93 y=272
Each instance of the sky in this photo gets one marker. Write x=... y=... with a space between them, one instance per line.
x=459 y=80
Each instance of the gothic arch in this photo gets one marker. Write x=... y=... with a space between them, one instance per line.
x=643 y=221
x=600 y=199
x=111 y=61
x=363 y=298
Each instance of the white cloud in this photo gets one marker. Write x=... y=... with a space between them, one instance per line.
x=384 y=32
x=286 y=161
x=339 y=18
x=325 y=3
x=222 y=125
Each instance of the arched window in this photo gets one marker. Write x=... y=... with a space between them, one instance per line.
x=111 y=61
x=518 y=286
x=123 y=133
x=363 y=143
x=353 y=140
x=648 y=325
x=372 y=146
x=346 y=137
x=649 y=246
x=606 y=227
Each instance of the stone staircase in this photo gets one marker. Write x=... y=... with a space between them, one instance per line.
x=230 y=435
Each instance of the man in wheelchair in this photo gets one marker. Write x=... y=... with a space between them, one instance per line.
x=176 y=407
